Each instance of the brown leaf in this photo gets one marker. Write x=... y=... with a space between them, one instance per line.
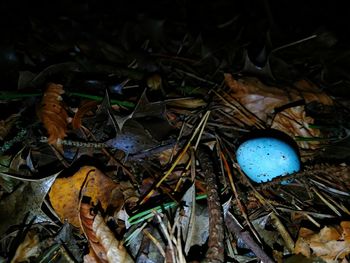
x=83 y=110
x=345 y=225
x=53 y=114
x=89 y=181
x=330 y=243
x=101 y=239
x=87 y=219
x=262 y=100
x=294 y=122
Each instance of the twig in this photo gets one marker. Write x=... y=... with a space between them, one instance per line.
x=155 y=241
x=167 y=235
x=324 y=200
x=216 y=247
x=234 y=227
x=289 y=243
x=241 y=207
x=180 y=156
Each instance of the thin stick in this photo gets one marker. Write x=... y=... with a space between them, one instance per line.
x=183 y=152
x=233 y=226
x=235 y=192
x=155 y=241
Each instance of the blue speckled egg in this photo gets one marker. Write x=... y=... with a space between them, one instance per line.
x=262 y=159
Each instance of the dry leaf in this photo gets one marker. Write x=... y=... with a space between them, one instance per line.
x=89 y=181
x=187 y=103
x=164 y=156
x=87 y=216
x=331 y=244
x=154 y=82
x=53 y=114
x=101 y=239
x=294 y=122
x=262 y=100
x=28 y=248
x=83 y=110
x=6 y=125
x=116 y=252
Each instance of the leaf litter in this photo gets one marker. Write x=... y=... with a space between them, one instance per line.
x=122 y=149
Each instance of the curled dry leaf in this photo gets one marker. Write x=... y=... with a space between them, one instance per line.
x=262 y=100
x=331 y=244
x=83 y=110
x=52 y=113
x=89 y=181
x=86 y=221
x=115 y=250
x=101 y=239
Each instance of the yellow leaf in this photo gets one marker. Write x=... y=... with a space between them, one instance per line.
x=88 y=181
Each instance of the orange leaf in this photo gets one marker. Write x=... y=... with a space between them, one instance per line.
x=88 y=181
x=346 y=230
x=53 y=114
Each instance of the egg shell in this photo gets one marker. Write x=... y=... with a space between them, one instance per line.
x=263 y=159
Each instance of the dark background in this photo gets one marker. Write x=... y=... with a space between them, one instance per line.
x=36 y=34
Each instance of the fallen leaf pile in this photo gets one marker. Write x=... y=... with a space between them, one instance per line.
x=262 y=101
x=120 y=133
x=331 y=243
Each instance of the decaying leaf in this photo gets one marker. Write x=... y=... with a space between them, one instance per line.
x=6 y=182
x=53 y=114
x=88 y=181
x=267 y=102
x=331 y=243
x=28 y=248
x=27 y=198
x=105 y=246
x=6 y=125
